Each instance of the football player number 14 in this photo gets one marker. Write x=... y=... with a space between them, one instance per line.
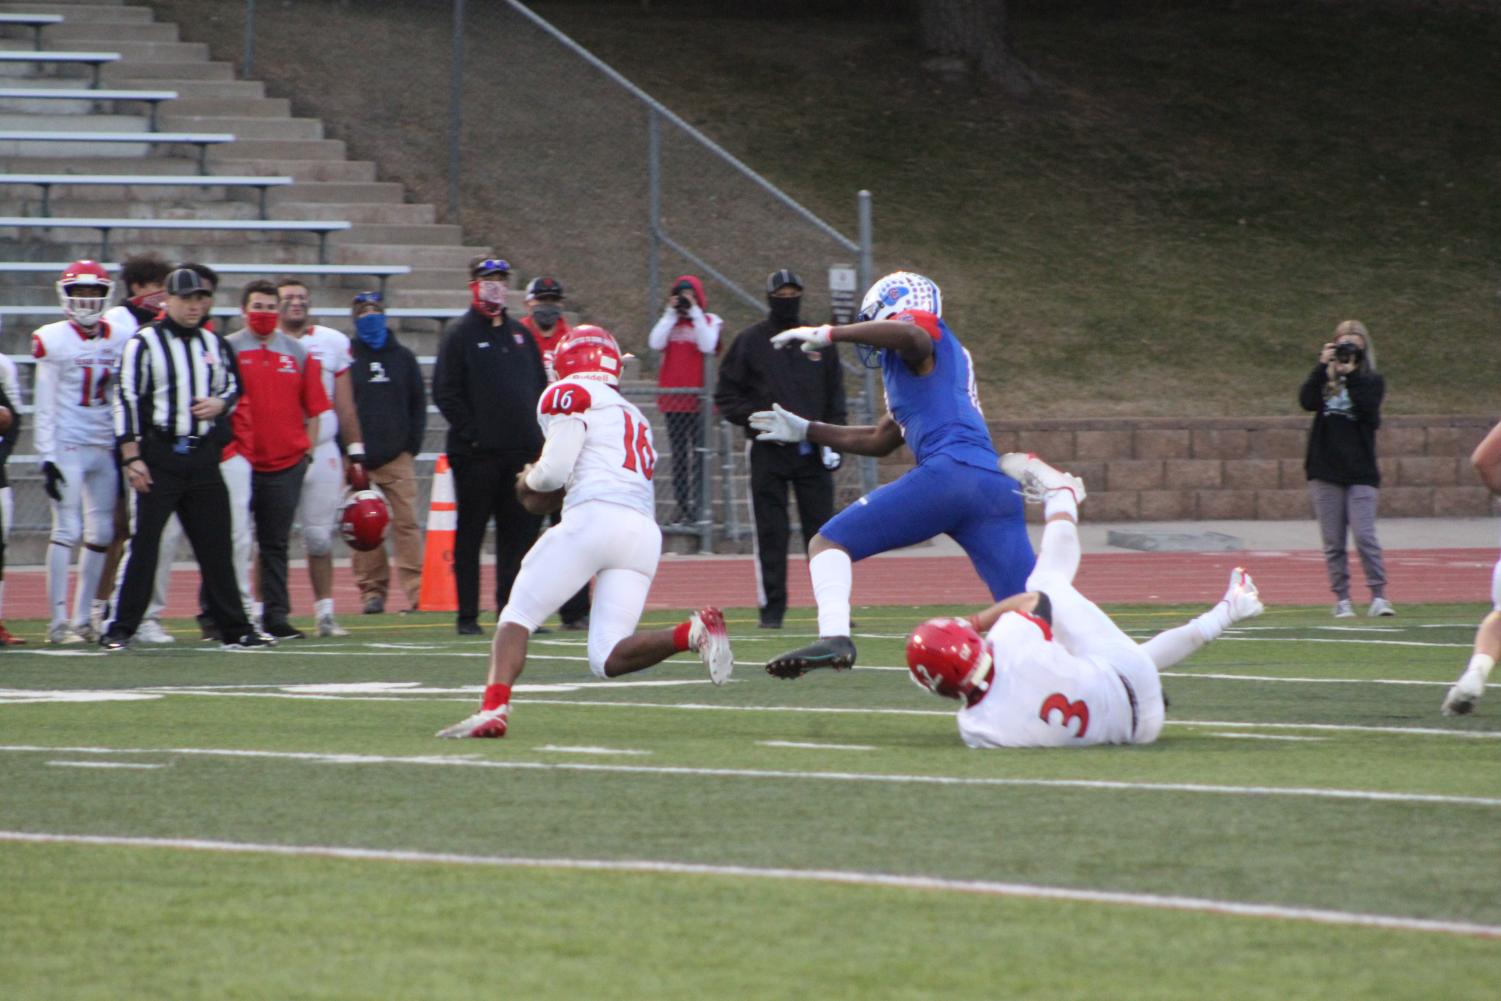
x=639 y=455
x=94 y=391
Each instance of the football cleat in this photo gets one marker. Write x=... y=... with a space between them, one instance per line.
x=1242 y=598
x=63 y=634
x=707 y=635
x=152 y=631
x=113 y=641
x=283 y=631
x=1038 y=479
x=248 y=641
x=1465 y=693
x=89 y=634
x=486 y=723
x=7 y=638
x=328 y=627
x=837 y=652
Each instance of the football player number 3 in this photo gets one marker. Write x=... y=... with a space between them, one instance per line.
x=94 y=387
x=639 y=456
x=1068 y=712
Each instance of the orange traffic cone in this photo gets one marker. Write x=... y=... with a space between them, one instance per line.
x=438 y=591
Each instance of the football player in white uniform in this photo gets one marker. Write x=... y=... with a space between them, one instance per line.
x=76 y=363
x=323 y=484
x=598 y=447
x=1047 y=667
x=1463 y=694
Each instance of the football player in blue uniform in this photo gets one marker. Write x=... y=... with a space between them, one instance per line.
x=957 y=487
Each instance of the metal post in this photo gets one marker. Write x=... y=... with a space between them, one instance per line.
x=869 y=476
x=247 y=61
x=455 y=110
x=706 y=450
x=867 y=228
x=654 y=209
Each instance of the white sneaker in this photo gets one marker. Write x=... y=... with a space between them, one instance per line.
x=1038 y=479
x=1380 y=606
x=328 y=627
x=707 y=635
x=1343 y=609
x=152 y=631
x=1242 y=597
x=493 y=723
x=63 y=634
x=87 y=632
x=1466 y=692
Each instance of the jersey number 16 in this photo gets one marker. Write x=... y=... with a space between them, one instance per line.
x=639 y=455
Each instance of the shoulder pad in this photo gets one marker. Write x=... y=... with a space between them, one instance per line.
x=565 y=398
x=921 y=318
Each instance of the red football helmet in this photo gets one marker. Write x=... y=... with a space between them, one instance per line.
x=588 y=352
x=949 y=657
x=84 y=310
x=363 y=520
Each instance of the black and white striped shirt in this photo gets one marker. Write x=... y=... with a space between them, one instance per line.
x=165 y=367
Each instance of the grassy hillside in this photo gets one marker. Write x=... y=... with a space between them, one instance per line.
x=1173 y=228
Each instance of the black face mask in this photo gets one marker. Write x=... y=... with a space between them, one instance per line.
x=785 y=309
x=546 y=317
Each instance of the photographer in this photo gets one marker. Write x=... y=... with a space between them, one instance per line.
x=1344 y=392
x=685 y=335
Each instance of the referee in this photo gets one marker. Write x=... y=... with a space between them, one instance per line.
x=175 y=378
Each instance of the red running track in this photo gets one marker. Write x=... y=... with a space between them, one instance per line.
x=1285 y=578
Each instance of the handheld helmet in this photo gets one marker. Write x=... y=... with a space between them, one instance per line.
x=85 y=310
x=949 y=657
x=588 y=352
x=363 y=520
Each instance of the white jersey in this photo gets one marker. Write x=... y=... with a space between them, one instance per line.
x=1043 y=696
x=75 y=376
x=122 y=321
x=617 y=459
x=331 y=348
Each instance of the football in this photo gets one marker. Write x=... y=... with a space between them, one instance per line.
x=534 y=501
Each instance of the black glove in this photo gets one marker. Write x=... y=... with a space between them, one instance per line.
x=54 y=479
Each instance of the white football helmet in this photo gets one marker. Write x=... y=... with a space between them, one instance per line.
x=84 y=310
x=899 y=291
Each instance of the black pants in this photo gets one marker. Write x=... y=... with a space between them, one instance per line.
x=576 y=608
x=485 y=488
x=683 y=434
x=189 y=486
x=273 y=505
x=772 y=469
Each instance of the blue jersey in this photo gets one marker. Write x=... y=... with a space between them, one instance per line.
x=939 y=413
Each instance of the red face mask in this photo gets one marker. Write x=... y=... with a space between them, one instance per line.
x=262 y=323
x=149 y=300
x=488 y=295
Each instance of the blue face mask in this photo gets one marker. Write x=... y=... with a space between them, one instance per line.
x=371 y=328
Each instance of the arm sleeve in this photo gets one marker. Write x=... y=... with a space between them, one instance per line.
x=448 y=385
x=128 y=389
x=565 y=440
x=657 y=339
x=416 y=406
x=733 y=393
x=1311 y=394
x=44 y=435
x=836 y=409
x=706 y=330
x=233 y=388
x=314 y=399
x=1366 y=394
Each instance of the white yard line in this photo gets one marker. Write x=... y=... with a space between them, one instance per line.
x=1230 y=908
x=1262 y=736
x=1190 y=675
x=557 y=749
x=102 y=764
x=811 y=746
x=444 y=761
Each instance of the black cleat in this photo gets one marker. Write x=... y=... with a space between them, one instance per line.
x=837 y=652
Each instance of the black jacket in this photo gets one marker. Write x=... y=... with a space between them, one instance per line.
x=390 y=398
x=486 y=384
x=754 y=375
x=1342 y=442
x=12 y=434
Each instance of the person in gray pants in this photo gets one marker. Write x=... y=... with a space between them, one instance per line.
x=1344 y=391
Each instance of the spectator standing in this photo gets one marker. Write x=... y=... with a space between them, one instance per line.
x=755 y=375
x=685 y=335
x=1344 y=391
x=392 y=405
x=10 y=403
x=175 y=379
x=486 y=383
x=285 y=394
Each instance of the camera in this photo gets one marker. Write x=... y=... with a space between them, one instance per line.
x=1348 y=352
x=681 y=301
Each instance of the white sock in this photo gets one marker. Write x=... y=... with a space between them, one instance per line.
x=259 y=609
x=833 y=579
x=1482 y=663
x=1213 y=622
x=1060 y=502
x=2 y=597
x=1058 y=556
x=1175 y=645
x=322 y=607
x=58 y=558
x=90 y=569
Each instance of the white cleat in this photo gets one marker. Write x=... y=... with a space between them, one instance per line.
x=707 y=635
x=1466 y=692
x=87 y=631
x=153 y=632
x=63 y=634
x=486 y=723
x=1242 y=597
x=1038 y=479
x=328 y=627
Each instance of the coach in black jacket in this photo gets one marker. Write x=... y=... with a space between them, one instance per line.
x=486 y=384
x=752 y=376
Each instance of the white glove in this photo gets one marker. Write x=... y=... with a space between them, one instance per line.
x=832 y=460
x=811 y=338
x=777 y=424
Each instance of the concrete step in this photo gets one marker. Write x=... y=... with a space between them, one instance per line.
x=363 y=233
x=69 y=112
x=49 y=163
x=97 y=12
x=188 y=203
x=225 y=90
x=174 y=246
x=243 y=127
x=276 y=149
x=412 y=255
x=166 y=52
x=243 y=107
x=372 y=192
x=316 y=171
x=129 y=73
x=359 y=213
x=72 y=123
x=421 y=279
x=223 y=241
x=81 y=151
x=96 y=36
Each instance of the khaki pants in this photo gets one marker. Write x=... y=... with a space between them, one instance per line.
x=397 y=480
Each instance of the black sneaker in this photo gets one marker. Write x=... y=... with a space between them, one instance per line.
x=282 y=631
x=248 y=641
x=837 y=652
x=468 y=628
x=113 y=641
x=769 y=624
x=374 y=605
x=207 y=630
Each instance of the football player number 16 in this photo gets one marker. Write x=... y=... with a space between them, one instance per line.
x=639 y=456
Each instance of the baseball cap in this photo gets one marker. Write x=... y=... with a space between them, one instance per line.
x=368 y=298
x=544 y=288
x=786 y=276
x=186 y=281
x=487 y=265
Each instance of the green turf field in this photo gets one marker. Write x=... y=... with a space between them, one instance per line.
x=284 y=825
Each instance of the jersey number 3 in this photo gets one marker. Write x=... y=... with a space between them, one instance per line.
x=639 y=455
x=1070 y=711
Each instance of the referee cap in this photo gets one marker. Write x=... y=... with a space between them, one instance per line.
x=786 y=276
x=186 y=281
